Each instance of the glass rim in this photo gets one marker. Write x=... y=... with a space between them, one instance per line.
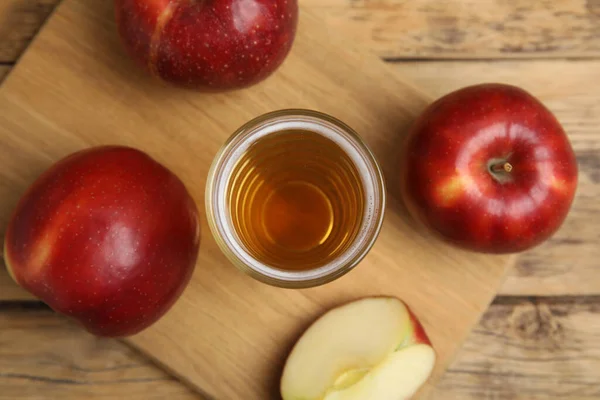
x=279 y=277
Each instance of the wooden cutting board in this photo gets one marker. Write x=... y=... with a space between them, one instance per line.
x=228 y=335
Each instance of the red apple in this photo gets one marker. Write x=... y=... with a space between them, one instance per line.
x=489 y=168
x=209 y=45
x=107 y=236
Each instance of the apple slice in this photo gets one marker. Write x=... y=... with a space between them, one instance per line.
x=399 y=376
x=373 y=348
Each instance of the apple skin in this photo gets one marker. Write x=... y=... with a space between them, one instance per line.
x=107 y=236
x=447 y=180
x=208 y=45
x=417 y=332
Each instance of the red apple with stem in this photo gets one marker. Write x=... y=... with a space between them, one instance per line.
x=490 y=169
x=210 y=45
x=107 y=236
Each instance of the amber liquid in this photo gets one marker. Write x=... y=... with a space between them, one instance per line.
x=296 y=200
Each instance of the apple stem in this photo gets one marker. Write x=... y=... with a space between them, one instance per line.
x=504 y=166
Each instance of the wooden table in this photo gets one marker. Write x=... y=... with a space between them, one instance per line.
x=540 y=339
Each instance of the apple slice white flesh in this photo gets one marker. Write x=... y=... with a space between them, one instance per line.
x=348 y=348
x=398 y=377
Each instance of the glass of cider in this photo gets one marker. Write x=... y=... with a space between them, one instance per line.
x=295 y=198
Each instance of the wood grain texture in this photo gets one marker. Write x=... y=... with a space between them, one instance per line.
x=74 y=88
x=20 y=20
x=467 y=28
x=521 y=350
x=568 y=263
x=9 y=290
x=44 y=356
x=408 y=29
x=3 y=72
x=546 y=349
